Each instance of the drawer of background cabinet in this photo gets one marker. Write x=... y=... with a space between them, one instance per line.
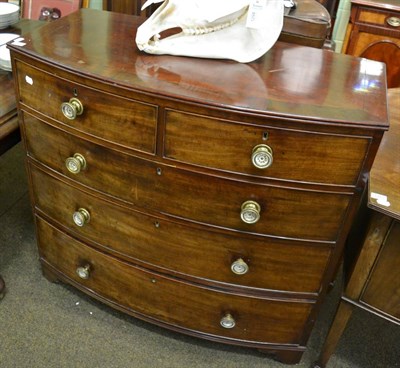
x=264 y=209
x=195 y=251
x=264 y=151
x=386 y=19
x=112 y=118
x=158 y=297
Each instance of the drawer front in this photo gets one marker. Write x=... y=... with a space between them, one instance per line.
x=201 y=198
x=189 y=250
x=157 y=297
x=229 y=146
x=385 y=19
x=382 y=291
x=112 y=118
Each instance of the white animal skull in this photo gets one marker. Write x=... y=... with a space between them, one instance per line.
x=220 y=29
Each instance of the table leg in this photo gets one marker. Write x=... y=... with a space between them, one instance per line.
x=335 y=332
x=2 y=287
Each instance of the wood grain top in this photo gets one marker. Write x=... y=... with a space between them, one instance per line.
x=290 y=80
x=385 y=172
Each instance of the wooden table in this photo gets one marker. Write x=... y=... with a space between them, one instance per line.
x=9 y=131
x=374 y=284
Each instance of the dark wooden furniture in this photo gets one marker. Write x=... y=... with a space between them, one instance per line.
x=132 y=7
x=9 y=130
x=307 y=24
x=374 y=280
x=209 y=197
x=2 y=287
x=375 y=34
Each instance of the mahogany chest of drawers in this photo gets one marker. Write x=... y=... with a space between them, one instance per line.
x=209 y=197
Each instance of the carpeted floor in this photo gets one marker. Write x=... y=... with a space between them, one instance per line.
x=52 y=325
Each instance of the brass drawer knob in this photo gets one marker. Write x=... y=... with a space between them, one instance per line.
x=81 y=217
x=239 y=267
x=72 y=108
x=83 y=272
x=262 y=156
x=228 y=321
x=250 y=212
x=393 y=21
x=75 y=164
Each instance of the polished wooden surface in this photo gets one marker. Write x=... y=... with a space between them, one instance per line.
x=153 y=295
x=217 y=141
x=217 y=200
x=278 y=264
x=275 y=85
x=9 y=131
x=374 y=277
x=381 y=4
x=104 y=117
x=167 y=144
x=385 y=173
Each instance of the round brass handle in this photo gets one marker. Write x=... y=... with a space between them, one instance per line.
x=76 y=163
x=72 y=108
x=81 y=217
x=83 y=272
x=262 y=156
x=250 y=212
x=228 y=321
x=393 y=21
x=239 y=267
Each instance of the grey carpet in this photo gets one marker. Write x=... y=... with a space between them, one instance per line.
x=52 y=325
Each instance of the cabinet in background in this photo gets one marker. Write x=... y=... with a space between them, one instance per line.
x=375 y=34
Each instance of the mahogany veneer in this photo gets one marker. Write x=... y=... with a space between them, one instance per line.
x=375 y=34
x=167 y=187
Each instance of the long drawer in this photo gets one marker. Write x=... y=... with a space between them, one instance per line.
x=167 y=245
x=112 y=118
x=217 y=201
x=159 y=298
x=242 y=148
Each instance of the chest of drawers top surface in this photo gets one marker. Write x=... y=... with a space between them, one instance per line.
x=290 y=80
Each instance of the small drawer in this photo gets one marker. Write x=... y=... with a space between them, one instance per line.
x=217 y=201
x=143 y=293
x=251 y=262
x=386 y=19
x=109 y=117
x=264 y=151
